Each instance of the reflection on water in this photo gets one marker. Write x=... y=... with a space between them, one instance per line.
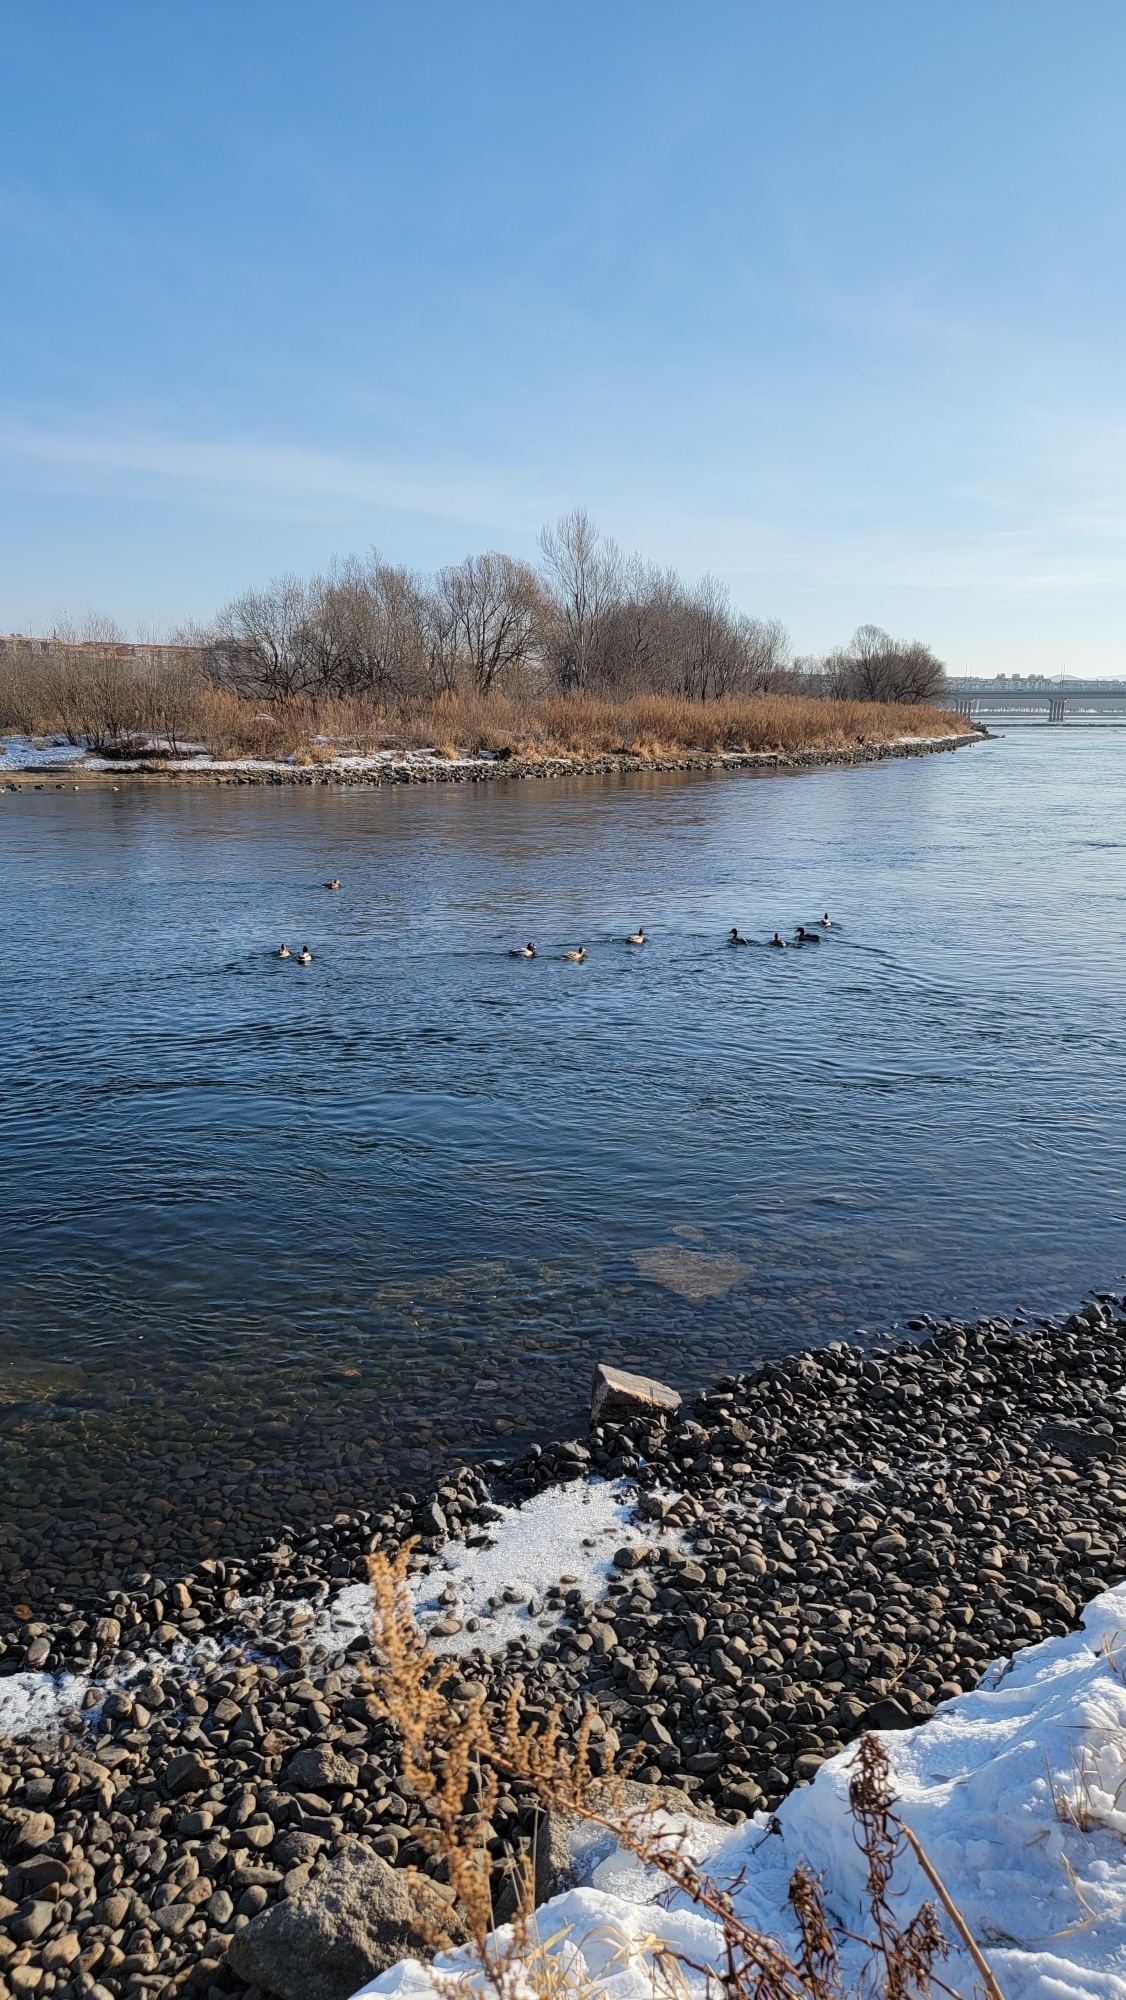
x=310 y=1225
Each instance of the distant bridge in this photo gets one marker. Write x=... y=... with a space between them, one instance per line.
x=1040 y=701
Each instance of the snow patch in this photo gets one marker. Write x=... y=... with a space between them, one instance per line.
x=36 y=1704
x=565 y=1535
x=23 y=753
x=43 y=1705
x=202 y=760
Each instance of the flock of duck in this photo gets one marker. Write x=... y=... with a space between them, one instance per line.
x=801 y=935
x=778 y=942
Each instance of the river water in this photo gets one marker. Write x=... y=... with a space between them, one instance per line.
x=273 y=1236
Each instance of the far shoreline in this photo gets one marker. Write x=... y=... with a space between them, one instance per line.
x=430 y=768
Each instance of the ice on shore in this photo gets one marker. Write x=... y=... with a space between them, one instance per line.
x=1017 y=1793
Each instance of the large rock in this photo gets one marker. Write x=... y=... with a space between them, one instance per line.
x=340 y=1930
x=32 y=1831
x=189 y=1772
x=887 y=1713
x=319 y=1769
x=432 y=1521
x=616 y=1396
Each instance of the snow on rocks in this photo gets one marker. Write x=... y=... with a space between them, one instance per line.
x=24 y=753
x=485 y=1595
x=1017 y=1792
x=476 y=1595
x=39 y=1704
x=481 y=1594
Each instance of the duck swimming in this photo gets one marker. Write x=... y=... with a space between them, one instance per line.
x=826 y=922
x=577 y=957
x=283 y=952
x=779 y=943
x=334 y=884
x=304 y=956
x=523 y=951
x=638 y=937
x=735 y=938
x=807 y=937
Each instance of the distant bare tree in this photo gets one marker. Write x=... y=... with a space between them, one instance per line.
x=632 y=637
x=360 y=630
x=768 y=664
x=96 y=628
x=490 y=611
x=711 y=649
x=366 y=631
x=875 y=667
x=169 y=682
x=664 y=637
x=264 y=642
x=583 y=576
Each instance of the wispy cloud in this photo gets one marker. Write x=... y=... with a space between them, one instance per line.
x=984 y=541
x=249 y=476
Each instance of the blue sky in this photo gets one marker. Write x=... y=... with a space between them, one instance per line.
x=825 y=296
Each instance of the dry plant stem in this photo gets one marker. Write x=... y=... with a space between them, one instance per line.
x=953 y=1912
x=451 y=1756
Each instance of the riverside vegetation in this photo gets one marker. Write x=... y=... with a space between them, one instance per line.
x=860 y=1532
x=589 y=656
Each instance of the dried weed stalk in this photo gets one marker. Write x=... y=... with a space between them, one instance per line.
x=453 y=1757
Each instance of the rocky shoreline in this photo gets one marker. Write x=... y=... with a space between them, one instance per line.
x=425 y=769
x=836 y=1541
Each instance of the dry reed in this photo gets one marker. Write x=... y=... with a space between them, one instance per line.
x=126 y=705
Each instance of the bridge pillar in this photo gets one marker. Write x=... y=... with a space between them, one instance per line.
x=1056 y=706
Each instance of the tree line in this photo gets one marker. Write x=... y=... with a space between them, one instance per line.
x=585 y=620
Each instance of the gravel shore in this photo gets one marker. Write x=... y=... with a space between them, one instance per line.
x=836 y=1541
x=425 y=768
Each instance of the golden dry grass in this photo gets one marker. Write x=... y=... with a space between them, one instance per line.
x=117 y=705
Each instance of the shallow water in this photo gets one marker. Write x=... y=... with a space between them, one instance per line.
x=271 y=1233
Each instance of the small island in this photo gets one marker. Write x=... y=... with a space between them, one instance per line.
x=492 y=668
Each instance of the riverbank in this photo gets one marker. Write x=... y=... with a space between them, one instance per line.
x=834 y=1542
x=1003 y=1832
x=429 y=767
